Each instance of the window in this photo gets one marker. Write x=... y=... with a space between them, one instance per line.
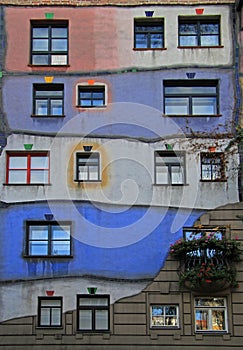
x=191 y=97
x=210 y=314
x=28 y=168
x=49 y=43
x=149 y=34
x=88 y=166
x=212 y=166
x=49 y=312
x=91 y=96
x=93 y=312
x=48 y=99
x=48 y=238
x=199 y=32
x=164 y=316
x=169 y=168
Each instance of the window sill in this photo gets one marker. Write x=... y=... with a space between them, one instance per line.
x=49 y=327
x=91 y=107
x=150 y=49
x=201 y=47
x=85 y=331
x=48 y=65
x=193 y=115
x=219 y=180
x=46 y=116
x=171 y=185
x=92 y=181
x=18 y=184
x=47 y=257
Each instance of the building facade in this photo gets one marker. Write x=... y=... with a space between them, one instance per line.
x=117 y=139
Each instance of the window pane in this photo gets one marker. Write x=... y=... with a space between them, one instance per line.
x=56 y=317
x=93 y=173
x=40 y=45
x=98 y=103
x=56 y=107
x=209 y=28
x=206 y=172
x=38 y=248
x=59 y=32
x=40 y=59
x=17 y=162
x=216 y=172
x=60 y=248
x=39 y=176
x=202 y=318
x=38 y=232
x=53 y=302
x=41 y=107
x=218 y=320
x=17 y=176
x=188 y=41
x=40 y=162
x=93 y=301
x=204 y=105
x=101 y=319
x=156 y=41
x=83 y=173
x=45 y=317
x=162 y=175
x=59 y=45
x=187 y=28
x=177 y=175
x=85 y=319
x=59 y=59
x=61 y=232
x=209 y=40
x=141 y=41
x=177 y=106
x=40 y=32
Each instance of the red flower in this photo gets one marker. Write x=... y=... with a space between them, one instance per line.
x=208 y=281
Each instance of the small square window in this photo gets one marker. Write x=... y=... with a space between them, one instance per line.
x=91 y=96
x=164 y=316
x=28 y=168
x=48 y=100
x=169 y=168
x=210 y=314
x=195 y=32
x=212 y=166
x=49 y=43
x=49 y=312
x=93 y=313
x=149 y=34
x=191 y=97
x=88 y=166
x=48 y=239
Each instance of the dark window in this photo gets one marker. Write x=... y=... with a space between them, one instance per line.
x=169 y=168
x=191 y=97
x=49 y=43
x=28 y=168
x=48 y=99
x=88 y=166
x=91 y=96
x=48 y=238
x=212 y=166
x=164 y=316
x=199 y=32
x=210 y=314
x=149 y=34
x=49 y=312
x=93 y=312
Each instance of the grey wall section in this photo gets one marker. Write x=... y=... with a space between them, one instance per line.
x=130 y=327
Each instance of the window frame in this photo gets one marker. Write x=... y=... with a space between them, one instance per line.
x=85 y=155
x=91 y=89
x=217 y=156
x=210 y=318
x=49 y=241
x=40 y=308
x=28 y=155
x=149 y=22
x=49 y=52
x=190 y=96
x=199 y=21
x=49 y=99
x=169 y=166
x=164 y=326
x=93 y=309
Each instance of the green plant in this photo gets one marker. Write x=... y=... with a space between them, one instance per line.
x=207 y=260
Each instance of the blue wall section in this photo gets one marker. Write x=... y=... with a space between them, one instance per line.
x=99 y=237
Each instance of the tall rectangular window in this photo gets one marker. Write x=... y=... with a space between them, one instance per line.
x=93 y=313
x=91 y=96
x=149 y=33
x=212 y=166
x=169 y=168
x=191 y=97
x=48 y=100
x=210 y=314
x=49 y=312
x=49 y=43
x=194 y=32
x=48 y=238
x=88 y=166
x=28 y=168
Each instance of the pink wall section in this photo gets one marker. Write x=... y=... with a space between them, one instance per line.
x=93 y=43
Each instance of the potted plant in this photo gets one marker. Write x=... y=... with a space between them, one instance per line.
x=207 y=261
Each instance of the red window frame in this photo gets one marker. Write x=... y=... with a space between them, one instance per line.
x=29 y=156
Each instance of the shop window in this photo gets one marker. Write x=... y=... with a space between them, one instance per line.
x=164 y=316
x=169 y=168
x=49 y=312
x=149 y=33
x=93 y=313
x=210 y=314
x=49 y=43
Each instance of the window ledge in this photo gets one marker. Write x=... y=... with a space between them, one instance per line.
x=91 y=108
x=193 y=115
x=92 y=181
x=219 y=180
x=17 y=184
x=171 y=185
x=46 y=116
x=48 y=65
x=47 y=257
x=201 y=47
x=49 y=327
x=150 y=49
